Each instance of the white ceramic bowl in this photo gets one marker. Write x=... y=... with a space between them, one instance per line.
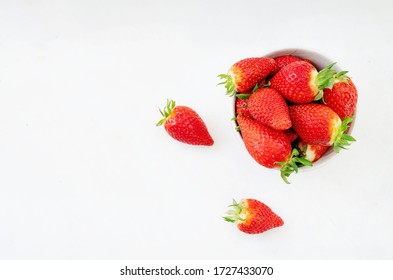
x=319 y=61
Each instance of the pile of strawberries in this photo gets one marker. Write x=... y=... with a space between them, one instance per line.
x=289 y=113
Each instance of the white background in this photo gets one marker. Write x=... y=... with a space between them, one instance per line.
x=85 y=174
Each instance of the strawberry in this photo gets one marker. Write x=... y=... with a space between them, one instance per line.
x=311 y=152
x=266 y=145
x=246 y=73
x=242 y=99
x=291 y=134
x=253 y=216
x=242 y=107
x=267 y=106
x=342 y=98
x=318 y=124
x=300 y=82
x=185 y=125
x=269 y=147
x=284 y=60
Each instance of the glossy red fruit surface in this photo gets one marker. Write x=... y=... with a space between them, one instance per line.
x=291 y=134
x=342 y=98
x=315 y=123
x=266 y=145
x=268 y=107
x=296 y=82
x=284 y=60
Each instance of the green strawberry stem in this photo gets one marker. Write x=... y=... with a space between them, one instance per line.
x=266 y=85
x=234 y=214
x=342 y=76
x=257 y=86
x=168 y=109
x=291 y=165
x=342 y=140
x=243 y=95
x=326 y=78
x=229 y=85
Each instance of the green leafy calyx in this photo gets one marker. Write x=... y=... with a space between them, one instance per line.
x=228 y=82
x=342 y=140
x=243 y=95
x=168 y=110
x=234 y=215
x=292 y=165
x=327 y=77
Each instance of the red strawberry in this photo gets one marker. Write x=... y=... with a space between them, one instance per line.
x=267 y=106
x=300 y=82
x=253 y=216
x=311 y=152
x=185 y=125
x=318 y=124
x=342 y=98
x=246 y=73
x=269 y=147
x=242 y=108
x=242 y=99
x=284 y=60
x=266 y=145
x=291 y=134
